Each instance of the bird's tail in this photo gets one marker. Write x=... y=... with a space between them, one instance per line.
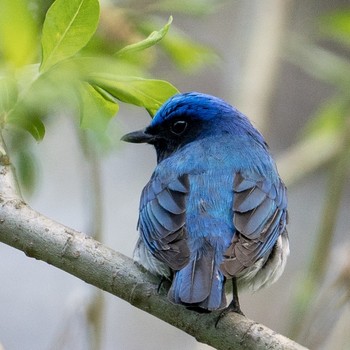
x=199 y=284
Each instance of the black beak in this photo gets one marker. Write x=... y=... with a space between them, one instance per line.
x=139 y=136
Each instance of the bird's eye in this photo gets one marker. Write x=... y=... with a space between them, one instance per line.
x=178 y=127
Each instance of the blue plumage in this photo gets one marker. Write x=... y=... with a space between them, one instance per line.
x=215 y=208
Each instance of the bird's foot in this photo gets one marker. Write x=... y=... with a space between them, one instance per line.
x=232 y=307
x=164 y=282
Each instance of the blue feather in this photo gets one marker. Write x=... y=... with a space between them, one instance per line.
x=215 y=205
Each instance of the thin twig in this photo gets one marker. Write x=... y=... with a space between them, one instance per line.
x=95 y=309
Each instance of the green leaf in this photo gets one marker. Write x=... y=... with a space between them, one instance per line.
x=28 y=105
x=336 y=25
x=151 y=40
x=104 y=64
x=26 y=170
x=186 y=54
x=68 y=27
x=8 y=95
x=23 y=118
x=17 y=32
x=96 y=111
x=147 y=93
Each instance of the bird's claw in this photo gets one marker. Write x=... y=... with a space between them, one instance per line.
x=232 y=307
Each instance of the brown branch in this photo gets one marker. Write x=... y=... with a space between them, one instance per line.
x=42 y=238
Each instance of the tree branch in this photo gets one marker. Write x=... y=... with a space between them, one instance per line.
x=42 y=238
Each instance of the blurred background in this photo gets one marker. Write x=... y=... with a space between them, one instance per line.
x=286 y=65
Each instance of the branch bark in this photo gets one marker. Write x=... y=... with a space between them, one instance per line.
x=76 y=253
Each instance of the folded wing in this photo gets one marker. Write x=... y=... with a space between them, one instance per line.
x=162 y=220
x=260 y=216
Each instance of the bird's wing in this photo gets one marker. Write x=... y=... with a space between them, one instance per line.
x=260 y=216
x=162 y=220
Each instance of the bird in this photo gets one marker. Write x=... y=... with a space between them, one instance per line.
x=213 y=216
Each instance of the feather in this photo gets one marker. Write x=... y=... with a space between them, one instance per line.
x=249 y=199
x=259 y=219
x=180 y=184
x=171 y=202
x=199 y=283
x=215 y=207
x=162 y=219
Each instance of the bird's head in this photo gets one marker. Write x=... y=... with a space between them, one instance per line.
x=187 y=117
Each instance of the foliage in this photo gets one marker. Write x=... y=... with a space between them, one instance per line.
x=330 y=67
x=80 y=60
x=332 y=117
x=62 y=77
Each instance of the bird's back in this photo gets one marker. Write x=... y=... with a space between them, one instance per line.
x=210 y=166
x=215 y=207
